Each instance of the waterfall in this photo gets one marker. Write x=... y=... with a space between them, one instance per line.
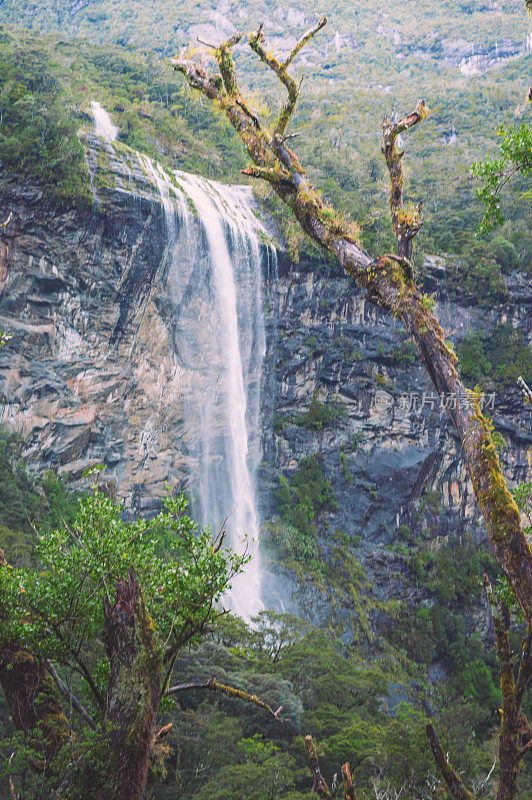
x=103 y=124
x=220 y=338
x=212 y=272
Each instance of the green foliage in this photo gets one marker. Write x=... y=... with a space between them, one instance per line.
x=57 y=612
x=293 y=535
x=28 y=504
x=505 y=253
x=475 y=278
x=321 y=415
x=515 y=160
x=46 y=86
x=453 y=573
x=495 y=359
x=38 y=135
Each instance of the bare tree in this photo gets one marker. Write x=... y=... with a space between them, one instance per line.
x=389 y=282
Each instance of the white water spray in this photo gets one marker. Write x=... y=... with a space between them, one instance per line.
x=103 y=124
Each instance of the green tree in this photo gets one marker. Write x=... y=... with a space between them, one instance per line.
x=96 y=629
x=495 y=173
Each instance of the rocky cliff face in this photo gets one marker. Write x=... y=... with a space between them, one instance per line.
x=92 y=375
x=392 y=457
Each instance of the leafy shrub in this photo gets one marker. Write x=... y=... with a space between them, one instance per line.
x=320 y=415
x=294 y=533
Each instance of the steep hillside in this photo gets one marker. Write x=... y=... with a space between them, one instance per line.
x=469 y=60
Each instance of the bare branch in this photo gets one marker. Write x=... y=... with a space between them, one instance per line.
x=164 y=731
x=449 y=774
x=527 y=391
x=320 y=784
x=206 y=44
x=255 y=42
x=230 y=691
x=6 y=222
x=406 y=224
x=14 y=795
x=70 y=696
x=321 y=23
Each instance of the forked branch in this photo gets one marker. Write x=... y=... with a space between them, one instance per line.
x=406 y=223
x=256 y=43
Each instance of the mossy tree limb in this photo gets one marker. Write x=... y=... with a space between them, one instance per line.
x=390 y=285
x=449 y=774
x=320 y=784
x=214 y=686
x=406 y=224
x=515 y=735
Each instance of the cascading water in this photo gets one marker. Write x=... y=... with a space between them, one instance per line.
x=103 y=124
x=213 y=274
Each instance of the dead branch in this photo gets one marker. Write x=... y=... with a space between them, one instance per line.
x=405 y=223
x=212 y=685
x=526 y=390
x=164 y=731
x=69 y=695
x=14 y=795
x=320 y=784
x=292 y=88
x=6 y=222
x=350 y=793
x=449 y=774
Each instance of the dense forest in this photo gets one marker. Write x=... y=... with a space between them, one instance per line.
x=365 y=698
